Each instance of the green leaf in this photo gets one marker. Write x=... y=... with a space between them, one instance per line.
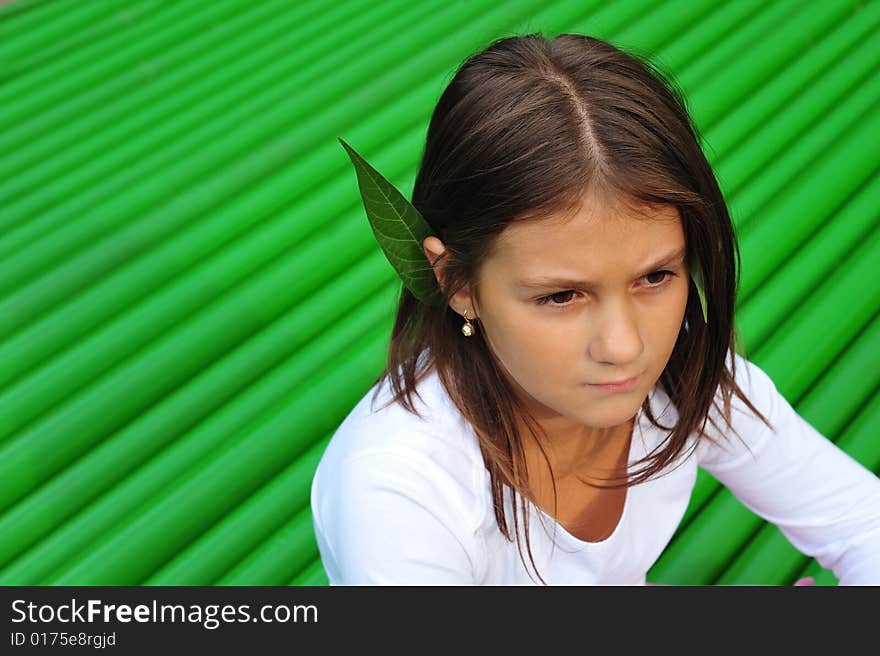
x=697 y=275
x=399 y=228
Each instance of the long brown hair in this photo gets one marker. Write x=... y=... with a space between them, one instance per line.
x=520 y=133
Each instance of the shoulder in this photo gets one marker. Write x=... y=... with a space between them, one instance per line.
x=749 y=432
x=434 y=457
x=376 y=429
x=756 y=385
x=397 y=498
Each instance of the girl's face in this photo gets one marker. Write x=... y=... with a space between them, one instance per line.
x=614 y=312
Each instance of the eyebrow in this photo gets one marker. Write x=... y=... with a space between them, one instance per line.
x=549 y=281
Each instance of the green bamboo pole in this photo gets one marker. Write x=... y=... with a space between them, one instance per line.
x=190 y=423
x=312 y=575
x=259 y=164
x=40 y=391
x=782 y=29
x=32 y=38
x=279 y=558
x=785 y=109
x=263 y=541
x=100 y=59
x=20 y=18
x=169 y=522
x=196 y=93
x=404 y=160
x=773 y=302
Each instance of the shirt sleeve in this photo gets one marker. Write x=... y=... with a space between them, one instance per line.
x=823 y=500
x=389 y=518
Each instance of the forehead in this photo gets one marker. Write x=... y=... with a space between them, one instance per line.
x=596 y=232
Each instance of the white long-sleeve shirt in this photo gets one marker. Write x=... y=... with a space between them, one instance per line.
x=397 y=500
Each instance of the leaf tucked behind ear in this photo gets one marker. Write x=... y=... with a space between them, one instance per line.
x=697 y=275
x=399 y=228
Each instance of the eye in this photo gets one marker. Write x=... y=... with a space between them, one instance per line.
x=669 y=276
x=552 y=299
x=546 y=300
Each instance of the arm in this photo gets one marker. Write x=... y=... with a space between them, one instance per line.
x=824 y=501
x=385 y=518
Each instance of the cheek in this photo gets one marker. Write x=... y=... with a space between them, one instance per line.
x=668 y=324
x=684 y=289
x=528 y=348
x=670 y=310
x=675 y=301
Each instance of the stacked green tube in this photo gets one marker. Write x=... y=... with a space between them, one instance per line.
x=191 y=299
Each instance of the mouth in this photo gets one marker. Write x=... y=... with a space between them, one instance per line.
x=619 y=386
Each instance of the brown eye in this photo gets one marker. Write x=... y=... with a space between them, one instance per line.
x=666 y=276
x=562 y=299
x=558 y=299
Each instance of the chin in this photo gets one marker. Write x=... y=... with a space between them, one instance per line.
x=613 y=412
x=605 y=419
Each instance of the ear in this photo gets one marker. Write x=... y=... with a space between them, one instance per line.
x=434 y=248
x=462 y=300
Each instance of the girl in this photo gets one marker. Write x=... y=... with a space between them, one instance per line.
x=583 y=361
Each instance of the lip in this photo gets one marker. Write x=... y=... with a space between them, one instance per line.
x=623 y=386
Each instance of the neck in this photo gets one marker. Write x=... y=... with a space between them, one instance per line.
x=580 y=449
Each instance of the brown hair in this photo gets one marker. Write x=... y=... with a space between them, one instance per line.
x=521 y=132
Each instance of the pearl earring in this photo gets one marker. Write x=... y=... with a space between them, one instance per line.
x=468 y=328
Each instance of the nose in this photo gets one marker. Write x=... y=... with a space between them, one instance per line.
x=616 y=339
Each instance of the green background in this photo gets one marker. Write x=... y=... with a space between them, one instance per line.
x=191 y=298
